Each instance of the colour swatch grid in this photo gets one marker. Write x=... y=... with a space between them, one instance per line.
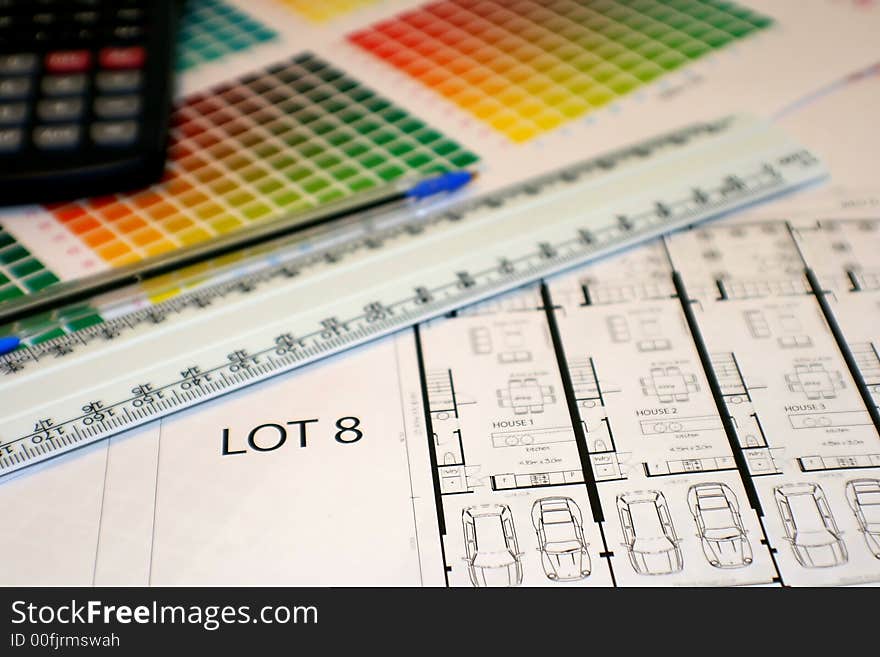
x=326 y=10
x=211 y=29
x=20 y=272
x=526 y=67
x=287 y=138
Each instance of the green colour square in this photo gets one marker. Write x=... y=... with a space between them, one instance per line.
x=351 y=115
x=294 y=139
x=377 y=104
x=10 y=292
x=427 y=136
x=12 y=254
x=297 y=173
x=39 y=281
x=4 y=279
x=282 y=162
x=390 y=172
x=269 y=186
x=84 y=322
x=338 y=138
x=717 y=38
x=323 y=127
x=694 y=49
x=356 y=149
x=330 y=195
x=463 y=159
x=315 y=184
x=310 y=150
x=383 y=137
x=26 y=267
x=360 y=184
x=411 y=125
x=343 y=172
x=285 y=198
x=5 y=239
x=394 y=115
x=328 y=160
x=48 y=335
x=445 y=147
x=417 y=160
x=371 y=160
x=367 y=126
x=400 y=148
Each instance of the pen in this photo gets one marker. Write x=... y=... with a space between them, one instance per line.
x=85 y=288
x=8 y=343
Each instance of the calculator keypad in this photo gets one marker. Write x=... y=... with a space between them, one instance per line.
x=73 y=77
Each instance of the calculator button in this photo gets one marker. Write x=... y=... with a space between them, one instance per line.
x=86 y=17
x=116 y=133
x=64 y=85
x=17 y=64
x=117 y=107
x=122 y=58
x=68 y=61
x=63 y=109
x=14 y=88
x=10 y=139
x=118 y=81
x=56 y=136
x=13 y=113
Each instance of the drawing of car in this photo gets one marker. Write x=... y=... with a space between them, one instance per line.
x=493 y=556
x=809 y=525
x=559 y=525
x=863 y=496
x=723 y=537
x=648 y=533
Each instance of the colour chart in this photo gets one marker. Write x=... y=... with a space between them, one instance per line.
x=212 y=29
x=283 y=139
x=527 y=67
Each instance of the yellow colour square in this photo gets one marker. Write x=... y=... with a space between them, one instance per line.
x=522 y=132
x=529 y=108
x=573 y=107
x=160 y=247
x=208 y=210
x=548 y=120
x=146 y=236
x=225 y=224
x=193 y=236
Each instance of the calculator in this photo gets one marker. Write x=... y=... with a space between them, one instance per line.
x=85 y=96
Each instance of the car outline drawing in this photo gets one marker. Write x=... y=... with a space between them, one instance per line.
x=558 y=523
x=809 y=526
x=649 y=535
x=491 y=546
x=719 y=525
x=863 y=497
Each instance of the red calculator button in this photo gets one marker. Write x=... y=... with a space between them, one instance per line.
x=122 y=58
x=68 y=61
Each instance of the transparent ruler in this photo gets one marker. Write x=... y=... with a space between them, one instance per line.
x=306 y=305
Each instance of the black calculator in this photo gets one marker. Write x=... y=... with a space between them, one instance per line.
x=85 y=96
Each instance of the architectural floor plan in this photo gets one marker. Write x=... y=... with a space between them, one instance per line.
x=700 y=410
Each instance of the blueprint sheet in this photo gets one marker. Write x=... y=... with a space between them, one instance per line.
x=701 y=410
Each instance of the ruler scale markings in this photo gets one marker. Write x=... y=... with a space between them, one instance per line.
x=423 y=264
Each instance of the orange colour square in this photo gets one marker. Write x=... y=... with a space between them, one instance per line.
x=130 y=224
x=208 y=210
x=207 y=174
x=223 y=186
x=113 y=251
x=193 y=198
x=178 y=186
x=146 y=199
x=161 y=211
x=146 y=236
x=98 y=237
x=83 y=224
x=116 y=211
x=69 y=213
x=127 y=259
